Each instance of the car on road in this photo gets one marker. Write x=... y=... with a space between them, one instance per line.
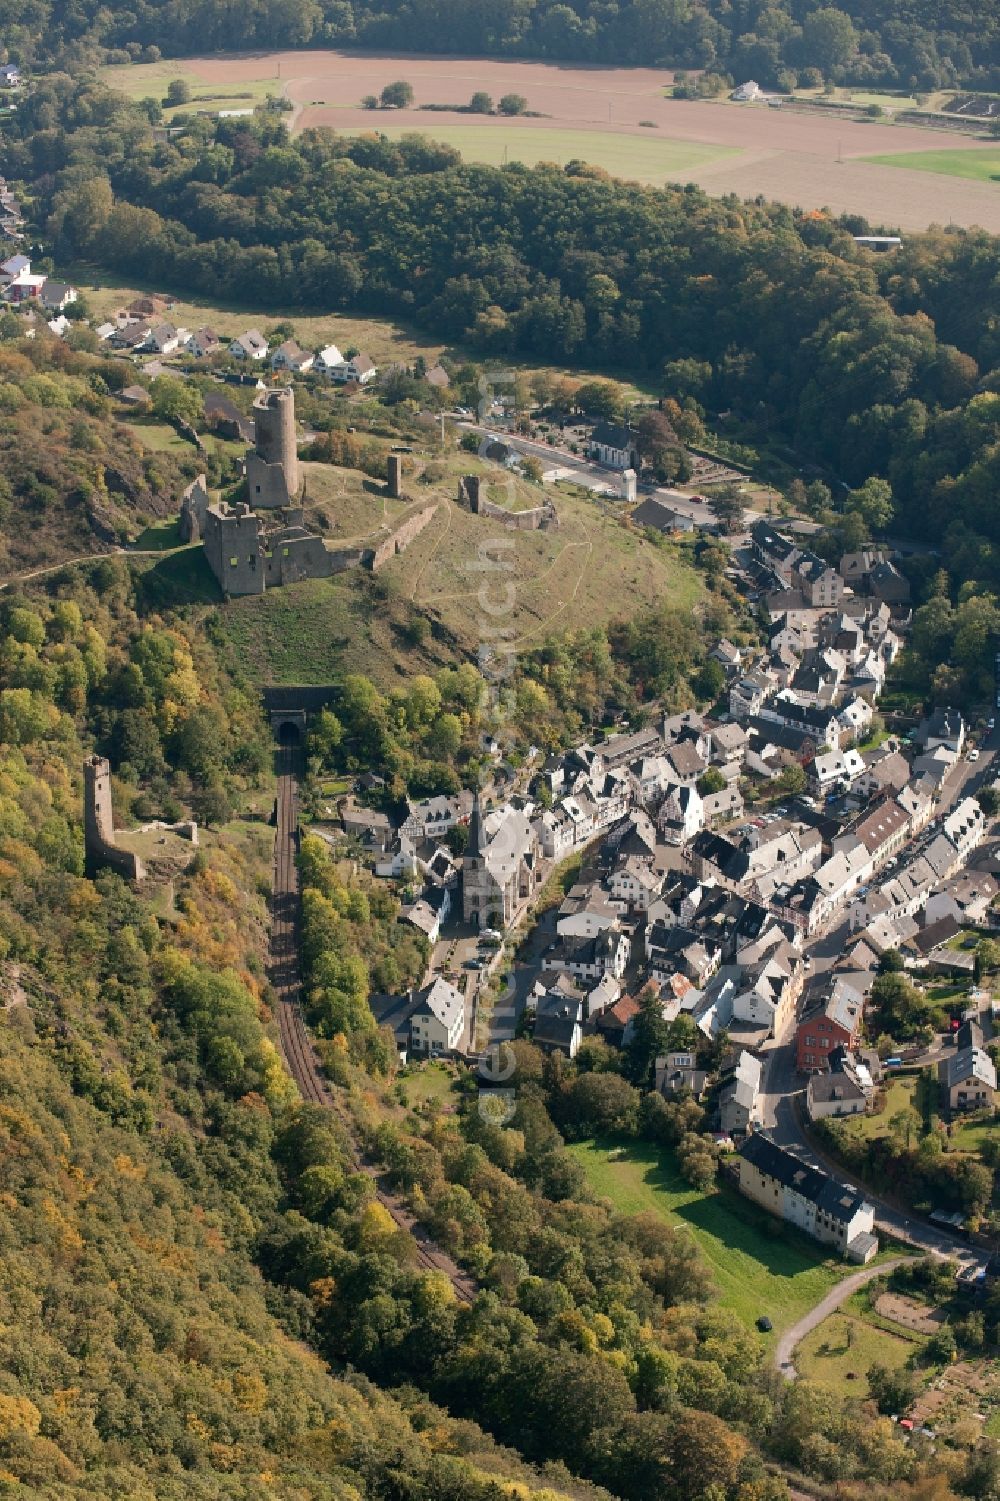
x=473 y=964
x=991 y=724
x=974 y=754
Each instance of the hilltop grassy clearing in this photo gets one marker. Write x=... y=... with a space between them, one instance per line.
x=589 y=570
x=150 y=80
x=759 y=1266
x=383 y=340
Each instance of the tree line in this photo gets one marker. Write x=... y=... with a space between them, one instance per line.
x=779 y=42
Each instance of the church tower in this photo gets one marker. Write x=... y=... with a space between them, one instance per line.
x=474 y=881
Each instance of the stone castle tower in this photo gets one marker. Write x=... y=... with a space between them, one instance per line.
x=99 y=826
x=273 y=478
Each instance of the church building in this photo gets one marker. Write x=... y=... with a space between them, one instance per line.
x=500 y=866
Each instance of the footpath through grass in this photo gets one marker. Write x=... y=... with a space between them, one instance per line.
x=759 y=1265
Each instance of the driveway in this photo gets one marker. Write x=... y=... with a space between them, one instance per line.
x=785 y=1347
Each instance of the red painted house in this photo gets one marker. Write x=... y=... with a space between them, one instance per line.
x=830 y=1020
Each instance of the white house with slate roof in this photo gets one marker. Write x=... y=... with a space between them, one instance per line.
x=786 y=1186
x=614 y=446
x=437 y=1022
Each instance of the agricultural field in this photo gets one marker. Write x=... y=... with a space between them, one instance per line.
x=758 y=1265
x=622 y=118
x=646 y=158
x=980 y=164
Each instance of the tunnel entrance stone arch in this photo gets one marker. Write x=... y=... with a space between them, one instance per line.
x=289 y=728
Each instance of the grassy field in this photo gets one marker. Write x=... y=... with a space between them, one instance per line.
x=981 y=165
x=759 y=1266
x=646 y=159
x=841 y=1351
x=159 y=437
x=427 y=1082
x=885 y=101
x=345 y=506
x=160 y=536
x=581 y=574
x=150 y=80
x=898 y=1096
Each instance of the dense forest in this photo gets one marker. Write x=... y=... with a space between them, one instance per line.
x=913 y=44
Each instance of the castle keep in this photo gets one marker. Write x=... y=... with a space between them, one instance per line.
x=273 y=478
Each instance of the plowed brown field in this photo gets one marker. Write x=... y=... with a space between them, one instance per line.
x=809 y=160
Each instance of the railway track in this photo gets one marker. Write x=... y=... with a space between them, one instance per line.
x=296 y=1043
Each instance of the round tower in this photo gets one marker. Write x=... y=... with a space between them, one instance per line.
x=274 y=420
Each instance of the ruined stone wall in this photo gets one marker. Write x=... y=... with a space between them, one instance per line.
x=194 y=508
x=267 y=484
x=539 y=518
x=469 y=491
x=100 y=849
x=296 y=558
x=395 y=475
x=400 y=538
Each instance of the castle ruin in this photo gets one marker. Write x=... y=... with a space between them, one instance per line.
x=100 y=847
x=249 y=553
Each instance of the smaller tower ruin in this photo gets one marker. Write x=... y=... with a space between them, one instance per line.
x=100 y=849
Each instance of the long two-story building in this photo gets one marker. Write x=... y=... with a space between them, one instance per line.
x=808 y=1198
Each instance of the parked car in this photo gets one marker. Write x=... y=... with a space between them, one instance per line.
x=974 y=754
